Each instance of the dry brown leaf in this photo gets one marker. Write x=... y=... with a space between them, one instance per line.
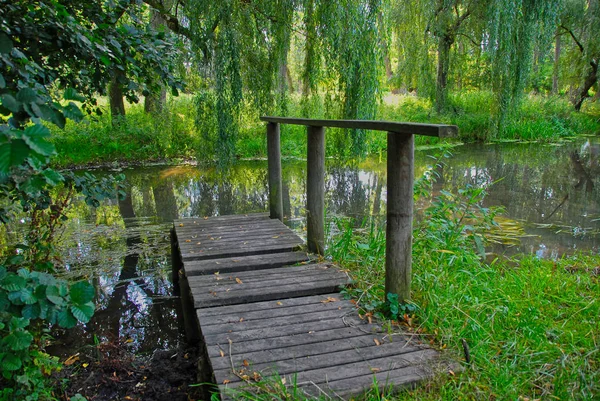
x=72 y=359
x=256 y=376
x=226 y=381
x=205 y=218
x=222 y=353
x=370 y=320
x=246 y=363
x=188 y=240
x=329 y=299
x=241 y=319
x=283 y=380
x=275 y=236
x=237 y=280
x=180 y=224
x=199 y=243
x=376 y=341
x=375 y=370
x=279 y=303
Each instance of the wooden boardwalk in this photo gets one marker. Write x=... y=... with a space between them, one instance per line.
x=265 y=308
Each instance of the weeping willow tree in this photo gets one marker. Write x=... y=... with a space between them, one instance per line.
x=580 y=22
x=514 y=27
x=244 y=46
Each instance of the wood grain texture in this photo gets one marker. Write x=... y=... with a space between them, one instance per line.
x=439 y=130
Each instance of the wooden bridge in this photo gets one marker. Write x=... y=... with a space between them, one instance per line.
x=263 y=306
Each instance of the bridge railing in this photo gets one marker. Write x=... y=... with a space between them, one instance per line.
x=400 y=178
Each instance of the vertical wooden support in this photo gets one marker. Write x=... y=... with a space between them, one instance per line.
x=175 y=262
x=315 y=190
x=398 y=249
x=274 y=165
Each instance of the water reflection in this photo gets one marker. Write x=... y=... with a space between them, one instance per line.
x=124 y=246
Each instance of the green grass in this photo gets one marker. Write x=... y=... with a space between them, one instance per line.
x=138 y=137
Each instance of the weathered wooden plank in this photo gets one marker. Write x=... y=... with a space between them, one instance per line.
x=245 y=263
x=330 y=303
x=267 y=277
x=397 y=379
x=192 y=233
x=362 y=341
x=303 y=338
x=225 y=243
x=241 y=251
x=283 y=303
x=439 y=130
x=208 y=299
x=308 y=328
x=232 y=227
x=234 y=289
x=338 y=365
x=315 y=190
x=398 y=249
x=274 y=169
x=275 y=322
x=224 y=218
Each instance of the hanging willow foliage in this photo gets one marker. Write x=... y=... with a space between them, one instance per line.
x=514 y=27
x=245 y=45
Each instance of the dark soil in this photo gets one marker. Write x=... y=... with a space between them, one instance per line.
x=110 y=372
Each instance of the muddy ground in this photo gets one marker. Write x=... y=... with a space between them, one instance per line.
x=109 y=371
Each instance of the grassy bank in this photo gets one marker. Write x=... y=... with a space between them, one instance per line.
x=140 y=137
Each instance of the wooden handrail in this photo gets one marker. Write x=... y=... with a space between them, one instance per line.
x=400 y=173
x=439 y=130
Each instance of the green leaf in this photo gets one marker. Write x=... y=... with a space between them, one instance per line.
x=71 y=94
x=35 y=136
x=6 y=45
x=3 y=272
x=10 y=362
x=84 y=312
x=12 y=283
x=10 y=102
x=13 y=154
x=66 y=319
x=72 y=112
x=27 y=296
x=53 y=115
x=82 y=292
x=53 y=177
x=53 y=295
x=17 y=323
x=31 y=311
x=18 y=340
x=27 y=95
x=2 y=82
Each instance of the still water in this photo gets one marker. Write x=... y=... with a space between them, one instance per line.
x=553 y=192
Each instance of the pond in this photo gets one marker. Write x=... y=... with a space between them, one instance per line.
x=552 y=191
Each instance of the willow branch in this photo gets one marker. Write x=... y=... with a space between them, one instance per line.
x=570 y=32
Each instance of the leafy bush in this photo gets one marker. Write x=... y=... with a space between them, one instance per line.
x=29 y=301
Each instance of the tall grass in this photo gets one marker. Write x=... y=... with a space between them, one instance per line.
x=136 y=137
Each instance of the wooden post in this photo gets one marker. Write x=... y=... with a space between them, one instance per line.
x=274 y=165
x=315 y=190
x=175 y=262
x=398 y=249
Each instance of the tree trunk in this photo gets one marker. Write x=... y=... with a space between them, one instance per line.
x=555 y=70
x=155 y=101
x=115 y=96
x=389 y=73
x=589 y=81
x=441 y=87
